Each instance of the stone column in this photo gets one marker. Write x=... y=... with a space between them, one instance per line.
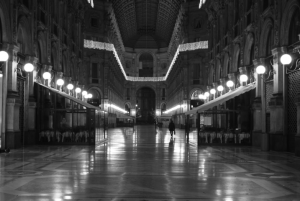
x=75 y=83
x=243 y=70
x=258 y=107
x=30 y=106
x=12 y=103
x=297 y=137
x=232 y=77
x=46 y=68
x=278 y=138
x=58 y=75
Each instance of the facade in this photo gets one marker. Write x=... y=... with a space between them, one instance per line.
x=242 y=35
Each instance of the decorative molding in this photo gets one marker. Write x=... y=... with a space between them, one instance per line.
x=110 y=47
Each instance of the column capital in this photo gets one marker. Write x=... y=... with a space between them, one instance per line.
x=59 y=74
x=47 y=67
x=223 y=81
x=279 y=50
x=259 y=61
x=243 y=70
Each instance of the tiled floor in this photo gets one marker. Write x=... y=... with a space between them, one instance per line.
x=145 y=165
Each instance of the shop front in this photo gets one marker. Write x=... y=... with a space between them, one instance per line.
x=65 y=120
x=227 y=119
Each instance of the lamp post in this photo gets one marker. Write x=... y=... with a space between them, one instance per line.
x=3 y=59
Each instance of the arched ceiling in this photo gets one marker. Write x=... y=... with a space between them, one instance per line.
x=154 y=18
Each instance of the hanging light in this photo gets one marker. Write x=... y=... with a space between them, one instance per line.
x=84 y=93
x=4 y=56
x=201 y=96
x=213 y=91
x=229 y=83
x=90 y=95
x=60 y=82
x=77 y=90
x=244 y=78
x=70 y=86
x=28 y=67
x=206 y=94
x=260 y=69
x=286 y=59
x=220 y=88
x=47 y=75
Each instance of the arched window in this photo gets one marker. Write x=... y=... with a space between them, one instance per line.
x=96 y=99
x=146 y=65
x=294 y=28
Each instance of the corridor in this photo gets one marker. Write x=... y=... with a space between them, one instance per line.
x=142 y=164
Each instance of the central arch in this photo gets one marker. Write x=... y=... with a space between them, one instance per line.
x=145 y=105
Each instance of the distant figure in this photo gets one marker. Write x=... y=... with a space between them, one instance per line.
x=187 y=129
x=172 y=128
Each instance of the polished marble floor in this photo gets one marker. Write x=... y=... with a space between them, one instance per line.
x=144 y=164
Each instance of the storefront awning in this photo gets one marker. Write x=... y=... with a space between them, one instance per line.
x=85 y=104
x=222 y=99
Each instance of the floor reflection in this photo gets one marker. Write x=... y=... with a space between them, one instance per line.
x=146 y=163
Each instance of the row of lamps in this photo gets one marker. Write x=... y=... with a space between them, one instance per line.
x=285 y=59
x=28 y=68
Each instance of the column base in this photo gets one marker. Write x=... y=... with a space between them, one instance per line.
x=297 y=148
x=265 y=142
x=13 y=139
x=256 y=139
x=278 y=142
x=30 y=138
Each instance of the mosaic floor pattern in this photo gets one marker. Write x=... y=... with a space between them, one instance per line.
x=144 y=164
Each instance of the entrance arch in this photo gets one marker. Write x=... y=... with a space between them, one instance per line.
x=145 y=101
x=96 y=99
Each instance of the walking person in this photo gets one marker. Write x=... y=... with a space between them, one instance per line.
x=172 y=128
x=187 y=128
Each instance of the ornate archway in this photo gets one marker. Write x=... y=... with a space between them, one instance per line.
x=145 y=98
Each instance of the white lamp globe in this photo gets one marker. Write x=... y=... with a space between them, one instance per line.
x=206 y=94
x=84 y=93
x=260 y=69
x=3 y=56
x=90 y=95
x=286 y=59
x=213 y=91
x=201 y=96
x=70 y=86
x=28 y=67
x=86 y=96
x=244 y=78
x=47 y=75
x=60 y=82
x=229 y=83
x=77 y=90
x=220 y=88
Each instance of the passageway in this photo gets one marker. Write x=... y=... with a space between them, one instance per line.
x=146 y=164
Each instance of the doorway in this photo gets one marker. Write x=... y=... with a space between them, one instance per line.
x=145 y=101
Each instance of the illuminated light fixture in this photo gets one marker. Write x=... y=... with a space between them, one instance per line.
x=47 y=75
x=244 y=78
x=91 y=2
x=173 y=108
x=260 y=69
x=90 y=95
x=117 y=108
x=213 y=91
x=86 y=96
x=84 y=93
x=28 y=67
x=201 y=96
x=206 y=94
x=220 y=88
x=286 y=59
x=201 y=3
x=4 y=56
x=60 y=82
x=229 y=83
x=1 y=75
x=77 y=90
x=70 y=86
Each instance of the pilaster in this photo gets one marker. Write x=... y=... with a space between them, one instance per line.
x=277 y=104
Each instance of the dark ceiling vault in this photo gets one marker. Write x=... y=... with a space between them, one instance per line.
x=153 y=18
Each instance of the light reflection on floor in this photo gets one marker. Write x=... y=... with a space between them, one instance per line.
x=144 y=163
